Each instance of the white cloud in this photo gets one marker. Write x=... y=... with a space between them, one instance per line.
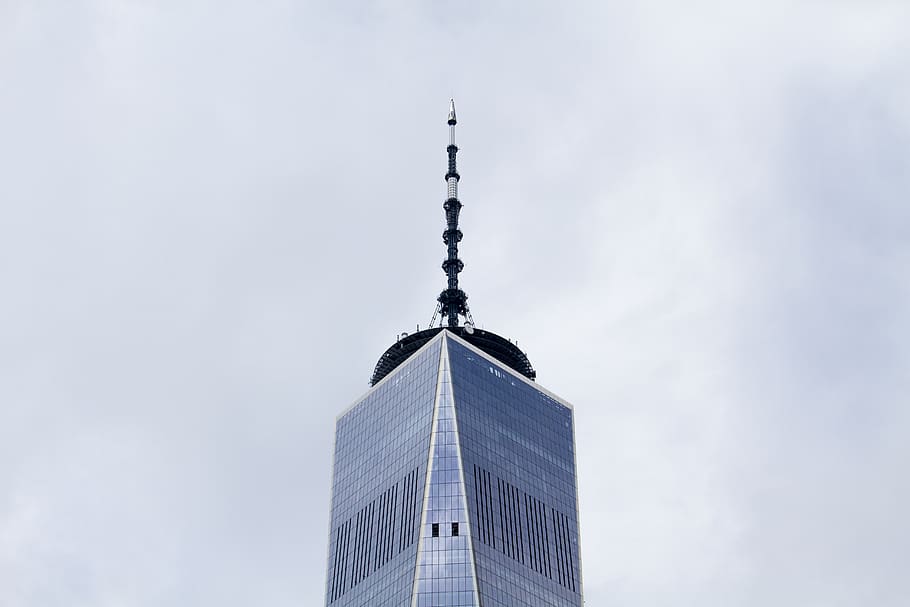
x=216 y=217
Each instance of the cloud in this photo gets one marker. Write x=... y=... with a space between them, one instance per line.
x=216 y=218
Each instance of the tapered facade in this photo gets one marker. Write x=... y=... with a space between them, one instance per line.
x=454 y=476
x=454 y=485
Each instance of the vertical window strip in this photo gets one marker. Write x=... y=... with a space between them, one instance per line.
x=344 y=566
x=412 y=499
x=537 y=550
x=487 y=515
x=482 y=508
x=480 y=534
x=569 y=554
x=355 y=533
x=338 y=584
x=374 y=523
x=406 y=512
x=502 y=525
x=415 y=511
x=530 y=521
x=412 y=509
x=393 y=497
x=375 y=535
x=557 y=546
x=563 y=526
x=490 y=501
x=392 y=524
x=401 y=524
x=511 y=516
x=364 y=547
x=487 y=510
x=335 y=563
x=380 y=532
x=543 y=555
x=352 y=552
x=521 y=548
x=565 y=547
x=370 y=538
x=511 y=513
x=546 y=538
x=530 y=535
x=386 y=527
x=540 y=537
x=516 y=527
x=342 y=558
x=393 y=508
x=383 y=529
x=535 y=512
x=367 y=539
x=561 y=535
x=331 y=591
x=361 y=565
x=506 y=493
x=355 y=573
x=570 y=581
x=400 y=518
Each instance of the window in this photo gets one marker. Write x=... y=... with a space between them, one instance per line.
x=454 y=529
x=435 y=529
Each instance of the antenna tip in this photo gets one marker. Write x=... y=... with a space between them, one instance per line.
x=452 y=111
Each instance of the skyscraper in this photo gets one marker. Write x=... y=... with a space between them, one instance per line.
x=454 y=476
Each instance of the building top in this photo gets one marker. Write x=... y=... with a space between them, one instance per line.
x=452 y=303
x=496 y=346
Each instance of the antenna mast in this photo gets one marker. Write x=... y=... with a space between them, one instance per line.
x=453 y=301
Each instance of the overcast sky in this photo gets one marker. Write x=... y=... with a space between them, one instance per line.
x=215 y=216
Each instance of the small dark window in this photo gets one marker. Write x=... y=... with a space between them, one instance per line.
x=454 y=529
x=435 y=529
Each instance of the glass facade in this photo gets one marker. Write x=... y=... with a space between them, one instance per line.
x=454 y=485
x=518 y=453
x=445 y=569
x=381 y=452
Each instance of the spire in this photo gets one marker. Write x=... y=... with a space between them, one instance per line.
x=452 y=301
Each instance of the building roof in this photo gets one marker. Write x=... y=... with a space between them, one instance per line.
x=496 y=346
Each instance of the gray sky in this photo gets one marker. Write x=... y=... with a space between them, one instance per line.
x=215 y=216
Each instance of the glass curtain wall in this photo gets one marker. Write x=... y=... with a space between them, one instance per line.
x=445 y=571
x=454 y=485
x=379 y=475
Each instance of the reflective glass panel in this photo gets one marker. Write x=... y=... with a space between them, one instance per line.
x=445 y=572
x=517 y=448
x=381 y=453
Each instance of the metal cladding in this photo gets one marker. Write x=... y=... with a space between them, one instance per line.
x=453 y=302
